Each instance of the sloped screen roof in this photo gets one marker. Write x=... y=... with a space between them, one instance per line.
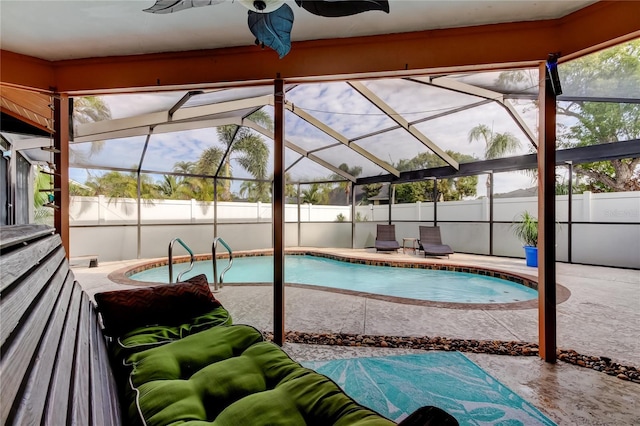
x=343 y=130
x=333 y=125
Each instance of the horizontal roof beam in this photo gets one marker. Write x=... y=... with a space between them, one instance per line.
x=106 y=126
x=579 y=155
x=160 y=172
x=157 y=129
x=97 y=129
x=608 y=99
x=30 y=143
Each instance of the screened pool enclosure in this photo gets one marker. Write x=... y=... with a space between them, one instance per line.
x=455 y=150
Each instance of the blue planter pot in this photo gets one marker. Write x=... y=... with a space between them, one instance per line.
x=531 y=254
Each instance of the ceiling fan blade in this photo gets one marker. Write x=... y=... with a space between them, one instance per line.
x=169 y=6
x=337 y=8
x=273 y=29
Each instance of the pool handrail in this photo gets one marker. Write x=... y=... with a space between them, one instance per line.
x=171 y=259
x=215 y=264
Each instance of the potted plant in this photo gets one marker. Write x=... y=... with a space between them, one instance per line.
x=525 y=228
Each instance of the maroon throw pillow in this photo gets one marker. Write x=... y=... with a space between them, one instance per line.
x=166 y=304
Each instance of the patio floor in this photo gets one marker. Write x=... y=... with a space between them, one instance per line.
x=600 y=318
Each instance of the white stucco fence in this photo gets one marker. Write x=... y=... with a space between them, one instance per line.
x=605 y=229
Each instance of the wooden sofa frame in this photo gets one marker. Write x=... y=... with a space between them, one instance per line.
x=54 y=365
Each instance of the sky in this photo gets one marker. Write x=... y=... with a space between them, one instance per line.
x=339 y=106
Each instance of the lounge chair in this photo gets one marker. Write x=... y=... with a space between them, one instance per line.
x=431 y=242
x=386 y=238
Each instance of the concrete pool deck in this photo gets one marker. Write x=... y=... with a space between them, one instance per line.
x=600 y=318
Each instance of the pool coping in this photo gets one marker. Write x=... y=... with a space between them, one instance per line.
x=121 y=276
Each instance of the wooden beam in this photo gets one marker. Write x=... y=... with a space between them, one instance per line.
x=596 y=27
x=61 y=112
x=27 y=72
x=546 y=221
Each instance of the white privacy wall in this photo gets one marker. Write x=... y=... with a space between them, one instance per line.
x=605 y=230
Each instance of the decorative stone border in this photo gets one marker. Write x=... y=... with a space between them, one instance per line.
x=493 y=347
x=121 y=276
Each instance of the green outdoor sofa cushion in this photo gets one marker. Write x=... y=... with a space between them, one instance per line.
x=146 y=337
x=228 y=375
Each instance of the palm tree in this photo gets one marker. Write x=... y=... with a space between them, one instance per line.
x=117 y=185
x=290 y=191
x=89 y=109
x=169 y=186
x=207 y=165
x=189 y=187
x=240 y=144
x=246 y=147
x=495 y=144
x=184 y=167
x=79 y=190
x=316 y=194
x=255 y=191
x=346 y=185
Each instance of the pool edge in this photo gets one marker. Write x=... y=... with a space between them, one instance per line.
x=121 y=276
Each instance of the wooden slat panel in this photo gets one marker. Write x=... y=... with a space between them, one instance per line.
x=16 y=303
x=97 y=373
x=112 y=406
x=104 y=396
x=36 y=103
x=14 y=264
x=17 y=234
x=56 y=412
x=34 y=396
x=17 y=357
x=54 y=362
x=24 y=115
x=80 y=396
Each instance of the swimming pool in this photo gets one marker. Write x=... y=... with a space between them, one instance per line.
x=412 y=283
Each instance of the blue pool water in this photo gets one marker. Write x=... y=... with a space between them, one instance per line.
x=421 y=284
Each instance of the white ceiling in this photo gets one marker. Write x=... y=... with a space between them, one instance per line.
x=57 y=30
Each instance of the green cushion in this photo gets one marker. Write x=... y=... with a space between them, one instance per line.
x=143 y=338
x=228 y=376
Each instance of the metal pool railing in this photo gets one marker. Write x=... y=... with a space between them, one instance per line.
x=215 y=264
x=171 y=259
